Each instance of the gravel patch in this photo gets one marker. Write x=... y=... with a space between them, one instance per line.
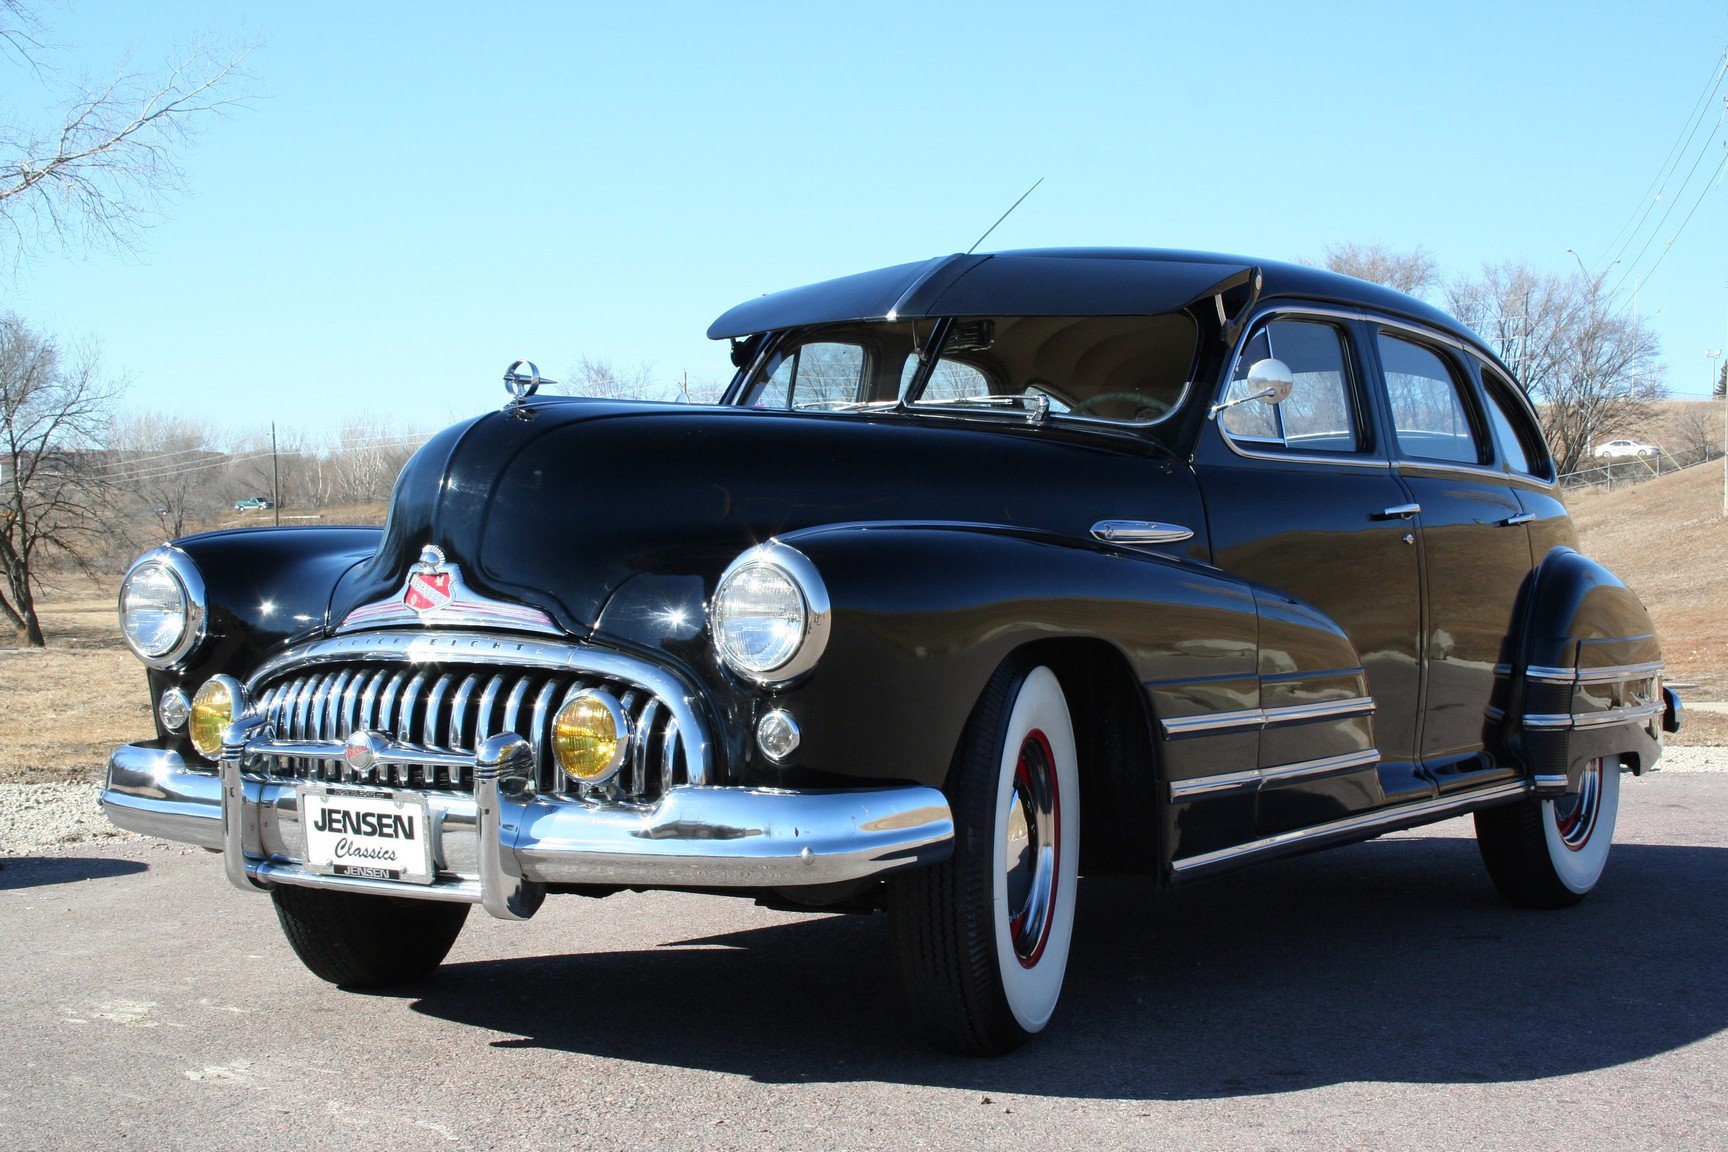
x=1693 y=760
x=35 y=816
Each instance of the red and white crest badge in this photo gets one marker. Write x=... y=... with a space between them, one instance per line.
x=429 y=582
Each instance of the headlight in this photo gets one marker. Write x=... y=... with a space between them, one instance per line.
x=590 y=735
x=770 y=614
x=162 y=607
x=218 y=704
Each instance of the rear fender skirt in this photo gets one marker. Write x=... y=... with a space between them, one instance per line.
x=1588 y=679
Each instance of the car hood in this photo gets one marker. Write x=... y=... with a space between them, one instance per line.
x=560 y=503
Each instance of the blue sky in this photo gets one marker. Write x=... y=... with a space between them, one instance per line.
x=421 y=193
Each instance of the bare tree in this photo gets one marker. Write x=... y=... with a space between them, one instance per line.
x=1696 y=433
x=168 y=467
x=603 y=379
x=1414 y=272
x=1592 y=368
x=55 y=483
x=101 y=165
x=367 y=456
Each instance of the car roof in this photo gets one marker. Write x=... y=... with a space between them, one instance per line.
x=1060 y=282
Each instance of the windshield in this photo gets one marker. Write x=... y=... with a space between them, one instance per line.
x=1123 y=369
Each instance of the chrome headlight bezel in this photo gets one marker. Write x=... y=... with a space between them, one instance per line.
x=194 y=614
x=796 y=568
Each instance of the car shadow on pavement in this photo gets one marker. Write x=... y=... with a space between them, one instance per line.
x=41 y=871
x=1393 y=961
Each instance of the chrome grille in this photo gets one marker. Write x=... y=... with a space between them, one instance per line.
x=454 y=708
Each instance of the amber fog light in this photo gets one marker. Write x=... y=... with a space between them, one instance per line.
x=590 y=735
x=216 y=706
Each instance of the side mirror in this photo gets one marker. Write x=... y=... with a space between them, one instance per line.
x=1270 y=381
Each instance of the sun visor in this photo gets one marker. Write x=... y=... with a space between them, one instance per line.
x=1005 y=284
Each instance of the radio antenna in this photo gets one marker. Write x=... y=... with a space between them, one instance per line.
x=1004 y=216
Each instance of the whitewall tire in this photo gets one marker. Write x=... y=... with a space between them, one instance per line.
x=983 y=939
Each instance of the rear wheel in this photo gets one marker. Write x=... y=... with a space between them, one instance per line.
x=1550 y=853
x=362 y=941
x=982 y=939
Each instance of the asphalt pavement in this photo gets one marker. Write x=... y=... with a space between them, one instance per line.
x=1378 y=996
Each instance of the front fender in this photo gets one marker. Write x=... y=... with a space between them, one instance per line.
x=923 y=615
x=265 y=588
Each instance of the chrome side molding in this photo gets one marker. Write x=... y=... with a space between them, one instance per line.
x=1140 y=532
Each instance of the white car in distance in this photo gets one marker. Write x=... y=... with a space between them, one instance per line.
x=1617 y=448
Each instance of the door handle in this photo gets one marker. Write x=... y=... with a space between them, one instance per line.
x=1398 y=512
x=1521 y=518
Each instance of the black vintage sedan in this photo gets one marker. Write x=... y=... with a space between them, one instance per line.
x=988 y=572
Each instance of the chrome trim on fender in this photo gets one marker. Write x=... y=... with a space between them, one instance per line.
x=1140 y=532
x=1177 y=727
x=1223 y=784
x=1570 y=721
x=1351 y=828
x=1259 y=779
x=1320 y=768
x=1604 y=675
x=513 y=651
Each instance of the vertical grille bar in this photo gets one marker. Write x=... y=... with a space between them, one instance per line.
x=458 y=713
x=387 y=705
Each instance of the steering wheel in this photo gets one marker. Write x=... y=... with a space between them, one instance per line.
x=1144 y=405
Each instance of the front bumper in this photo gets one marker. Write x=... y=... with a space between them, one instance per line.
x=502 y=845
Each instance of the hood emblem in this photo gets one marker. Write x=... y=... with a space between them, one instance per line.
x=429 y=582
x=434 y=596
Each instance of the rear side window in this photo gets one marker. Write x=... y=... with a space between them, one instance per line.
x=1320 y=414
x=1520 y=443
x=1428 y=409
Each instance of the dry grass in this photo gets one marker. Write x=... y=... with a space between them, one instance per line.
x=1668 y=540
x=68 y=705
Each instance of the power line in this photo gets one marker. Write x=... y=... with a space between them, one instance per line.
x=225 y=459
x=1709 y=184
x=1656 y=231
x=1687 y=131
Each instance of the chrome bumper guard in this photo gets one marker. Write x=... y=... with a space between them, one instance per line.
x=504 y=844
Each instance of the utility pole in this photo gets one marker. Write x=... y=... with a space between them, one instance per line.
x=276 y=478
x=1710 y=354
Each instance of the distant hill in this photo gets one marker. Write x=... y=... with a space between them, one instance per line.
x=1667 y=538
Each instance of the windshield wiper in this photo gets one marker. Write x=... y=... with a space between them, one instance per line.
x=1036 y=404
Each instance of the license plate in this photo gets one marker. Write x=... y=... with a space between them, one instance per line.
x=365 y=833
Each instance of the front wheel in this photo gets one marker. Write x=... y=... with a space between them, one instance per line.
x=1550 y=853
x=362 y=941
x=982 y=939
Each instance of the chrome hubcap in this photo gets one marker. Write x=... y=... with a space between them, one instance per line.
x=1575 y=816
x=1031 y=848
